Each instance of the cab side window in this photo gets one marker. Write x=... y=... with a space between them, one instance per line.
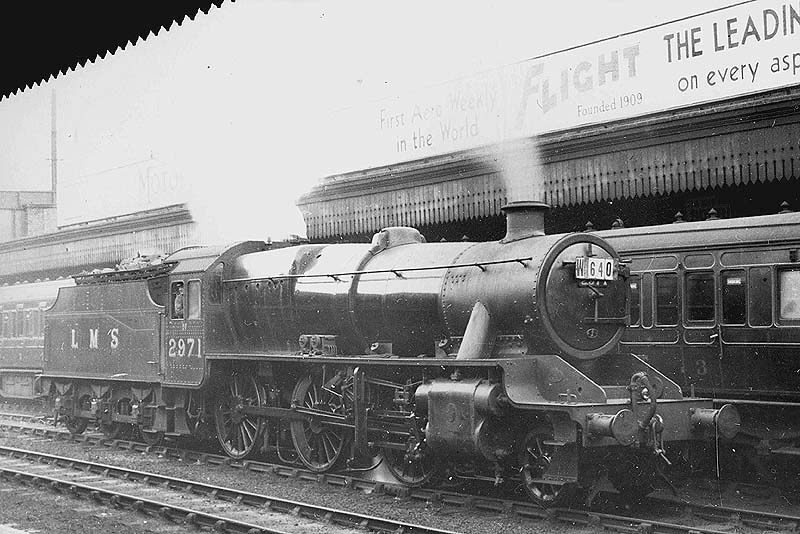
x=193 y=299
x=700 y=297
x=177 y=300
x=215 y=287
x=667 y=299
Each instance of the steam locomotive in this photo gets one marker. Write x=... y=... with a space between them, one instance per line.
x=474 y=360
x=715 y=305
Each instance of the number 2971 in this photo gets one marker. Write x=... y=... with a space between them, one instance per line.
x=183 y=347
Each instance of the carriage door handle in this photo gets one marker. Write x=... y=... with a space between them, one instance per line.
x=716 y=336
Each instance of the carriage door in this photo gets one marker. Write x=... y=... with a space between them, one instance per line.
x=184 y=359
x=735 y=334
x=703 y=356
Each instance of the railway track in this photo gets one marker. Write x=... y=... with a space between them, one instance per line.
x=690 y=513
x=235 y=510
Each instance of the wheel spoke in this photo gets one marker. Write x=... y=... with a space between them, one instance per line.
x=237 y=432
x=243 y=441
x=413 y=466
x=249 y=430
x=251 y=427
x=318 y=444
x=535 y=459
x=329 y=449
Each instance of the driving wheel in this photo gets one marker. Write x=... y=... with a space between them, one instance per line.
x=318 y=443
x=238 y=431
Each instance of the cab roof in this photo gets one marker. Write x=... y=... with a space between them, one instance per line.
x=201 y=258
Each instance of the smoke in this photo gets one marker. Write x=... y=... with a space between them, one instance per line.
x=519 y=167
x=236 y=122
x=237 y=193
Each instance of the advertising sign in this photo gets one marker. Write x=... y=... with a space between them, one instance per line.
x=737 y=50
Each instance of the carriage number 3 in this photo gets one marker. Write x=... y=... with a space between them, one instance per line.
x=702 y=370
x=184 y=348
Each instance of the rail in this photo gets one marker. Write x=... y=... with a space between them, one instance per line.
x=60 y=467
x=397 y=272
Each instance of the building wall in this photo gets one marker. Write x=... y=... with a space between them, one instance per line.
x=97 y=244
x=26 y=213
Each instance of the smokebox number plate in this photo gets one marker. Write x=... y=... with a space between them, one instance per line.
x=594 y=268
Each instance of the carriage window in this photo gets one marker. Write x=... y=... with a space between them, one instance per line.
x=734 y=297
x=666 y=299
x=19 y=318
x=10 y=323
x=760 y=296
x=5 y=327
x=215 y=287
x=193 y=311
x=40 y=319
x=177 y=300
x=636 y=296
x=700 y=297
x=789 y=295
x=28 y=324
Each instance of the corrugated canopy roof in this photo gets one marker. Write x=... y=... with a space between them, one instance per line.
x=747 y=141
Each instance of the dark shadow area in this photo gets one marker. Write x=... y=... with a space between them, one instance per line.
x=40 y=39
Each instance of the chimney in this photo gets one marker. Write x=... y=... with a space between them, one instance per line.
x=524 y=219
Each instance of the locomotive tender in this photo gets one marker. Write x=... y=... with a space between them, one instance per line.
x=715 y=305
x=480 y=360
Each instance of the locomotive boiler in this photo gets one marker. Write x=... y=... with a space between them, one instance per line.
x=471 y=360
x=403 y=296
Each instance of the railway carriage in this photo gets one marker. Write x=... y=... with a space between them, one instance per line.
x=472 y=360
x=716 y=306
x=21 y=335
